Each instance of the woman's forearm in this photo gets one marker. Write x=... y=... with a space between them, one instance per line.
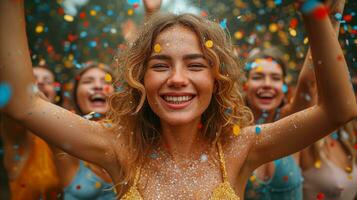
x=15 y=63
x=335 y=92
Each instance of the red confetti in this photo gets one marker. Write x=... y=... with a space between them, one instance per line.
x=78 y=187
x=60 y=11
x=22 y=185
x=339 y=57
x=72 y=38
x=86 y=24
x=332 y=144
x=347 y=18
x=135 y=5
x=320 y=196
x=286 y=178
x=320 y=13
x=355 y=146
x=293 y=23
x=82 y=15
x=200 y=126
x=204 y=14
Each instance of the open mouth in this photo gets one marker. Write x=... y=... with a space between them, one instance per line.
x=265 y=95
x=177 y=101
x=97 y=99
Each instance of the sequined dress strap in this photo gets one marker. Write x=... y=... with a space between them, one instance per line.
x=222 y=162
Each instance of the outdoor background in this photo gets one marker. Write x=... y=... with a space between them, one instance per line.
x=63 y=34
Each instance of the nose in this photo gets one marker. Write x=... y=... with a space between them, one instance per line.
x=98 y=84
x=267 y=82
x=178 y=78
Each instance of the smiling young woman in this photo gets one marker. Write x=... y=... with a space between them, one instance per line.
x=172 y=122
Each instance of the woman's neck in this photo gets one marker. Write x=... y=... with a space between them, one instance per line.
x=182 y=140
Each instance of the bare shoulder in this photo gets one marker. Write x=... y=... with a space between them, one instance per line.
x=237 y=147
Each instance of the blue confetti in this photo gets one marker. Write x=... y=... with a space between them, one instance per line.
x=334 y=135
x=5 y=94
x=223 y=23
x=284 y=88
x=258 y=130
x=132 y=2
x=278 y=2
x=97 y=115
x=309 y=6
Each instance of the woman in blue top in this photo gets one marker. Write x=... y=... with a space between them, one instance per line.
x=265 y=89
x=265 y=92
x=82 y=180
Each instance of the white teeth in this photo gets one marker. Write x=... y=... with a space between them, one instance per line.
x=177 y=99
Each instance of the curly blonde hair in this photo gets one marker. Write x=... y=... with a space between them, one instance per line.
x=131 y=113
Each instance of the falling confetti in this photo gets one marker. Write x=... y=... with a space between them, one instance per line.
x=157 y=48
x=5 y=94
x=236 y=130
x=257 y=130
x=209 y=43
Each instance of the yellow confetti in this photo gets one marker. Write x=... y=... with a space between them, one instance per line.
x=93 y=12
x=273 y=27
x=259 y=69
x=130 y=12
x=209 y=43
x=349 y=177
x=108 y=78
x=318 y=164
x=57 y=98
x=348 y=169
x=252 y=178
x=39 y=29
x=236 y=130
x=157 y=48
x=292 y=32
x=238 y=35
x=98 y=185
x=68 y=18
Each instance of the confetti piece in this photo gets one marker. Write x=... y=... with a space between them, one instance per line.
x=340 y=57
x=258 y=130
x=209 y=43
x=285 y=178
x=98 y=185
x=5 y=94
x=317 y=164
x=108 y=77
x=236 y=130
x=259 y=69
x=334 y=135
x=252 y=178
x=284 y=88
x=199 y=126
x=320 y=196
x=223 y=23
x=154 y=156
x=203 y=158
x=78 y=187
x=348 y=169
x=320 y=13
x=130 y=12
x=309 y=6
x=68 y=18
x=157 y=48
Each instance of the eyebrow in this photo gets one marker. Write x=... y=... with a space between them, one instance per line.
x=185 y=57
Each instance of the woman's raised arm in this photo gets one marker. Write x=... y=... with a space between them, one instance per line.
x=75 y=135
x=336 y=103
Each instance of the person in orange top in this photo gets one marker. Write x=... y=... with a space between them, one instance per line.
x=28 y=159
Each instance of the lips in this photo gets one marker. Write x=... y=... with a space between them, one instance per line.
x=265 y=96
x=177 y=100
x=97 y=99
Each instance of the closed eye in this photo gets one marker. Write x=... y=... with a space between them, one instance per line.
x=160 y=67
x=197 y=67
